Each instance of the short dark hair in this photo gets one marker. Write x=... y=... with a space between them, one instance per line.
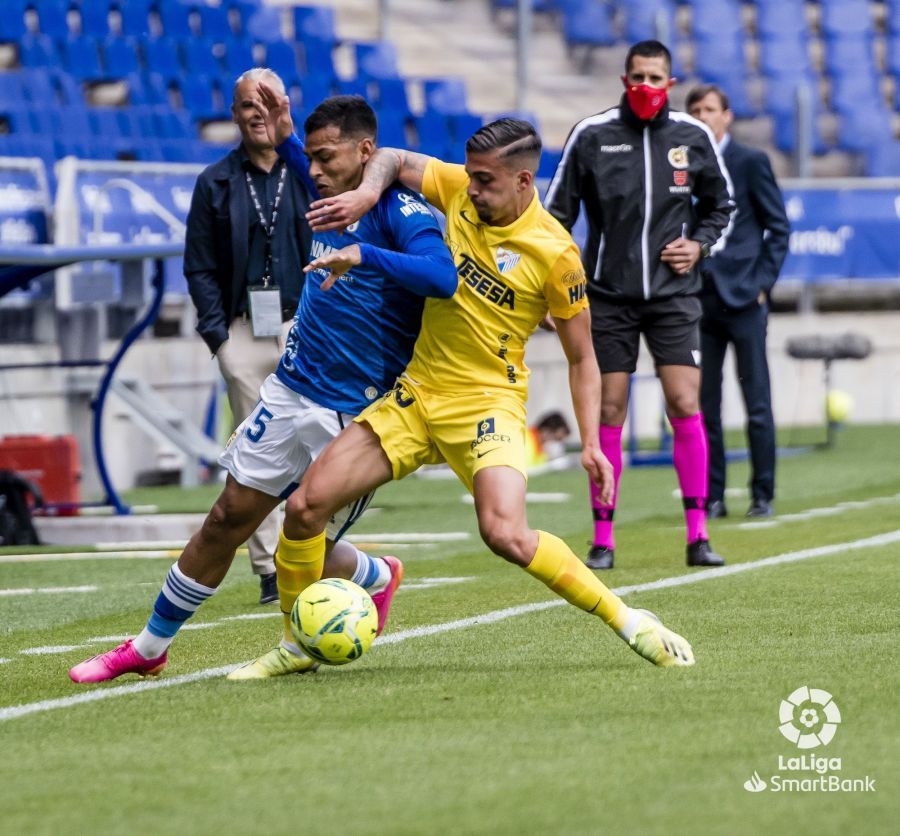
x=553 y=422
x=648 y=49
x=701 y=91
x=351 y=115
x=514 y=137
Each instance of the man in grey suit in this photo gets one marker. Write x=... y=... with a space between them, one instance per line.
x=736 y=286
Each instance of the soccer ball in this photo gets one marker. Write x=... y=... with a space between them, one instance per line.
x=334 y=621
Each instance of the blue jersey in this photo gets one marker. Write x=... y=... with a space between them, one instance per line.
x=348 y=344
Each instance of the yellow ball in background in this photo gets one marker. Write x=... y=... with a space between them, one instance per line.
x=838 y=406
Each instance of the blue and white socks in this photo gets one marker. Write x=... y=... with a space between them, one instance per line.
x=178 y=600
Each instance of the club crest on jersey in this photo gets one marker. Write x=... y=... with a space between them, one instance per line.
x=507 y=260
x=678 y=157
x=680 y=178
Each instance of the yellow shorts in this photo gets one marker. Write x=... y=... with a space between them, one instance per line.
x=469 y=432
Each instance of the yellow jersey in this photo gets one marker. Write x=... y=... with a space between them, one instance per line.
x=509 y=277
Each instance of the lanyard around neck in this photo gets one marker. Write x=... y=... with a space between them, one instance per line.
x=268 y=228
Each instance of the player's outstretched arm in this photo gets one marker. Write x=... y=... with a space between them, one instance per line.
x=275 y=112
x=585 y=385
x=384 y=167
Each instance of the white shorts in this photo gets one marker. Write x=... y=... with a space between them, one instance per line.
x=275 y=445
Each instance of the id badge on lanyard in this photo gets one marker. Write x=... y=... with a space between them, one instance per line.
x=264 y=301
x=265 y=311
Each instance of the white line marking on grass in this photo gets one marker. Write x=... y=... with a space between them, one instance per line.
x=104 y=693
x=49 y=649
x=14 y=711
x=826 y=511
x=431 y=583
x=52 y=557
x=47 y=590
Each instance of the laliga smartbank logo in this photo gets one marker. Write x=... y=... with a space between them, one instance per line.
x=809 y=718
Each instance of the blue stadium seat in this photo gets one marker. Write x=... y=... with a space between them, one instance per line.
x=883 y=159
x=463 y=125
x=315 y=22
x=120 y=57
x=432 y=132
x=16 y=119
x=214 y=24
x=39 y=88
x=12 y=88
x=376 y=59
x=777 y=18
x=12 y=21
x=392 y=129
x=161 y=56
x=849 y=54
x=315 y=88
x=81 y=58
x=392 y=95
x=550 y=158
x=199 y=58
x=539 y=6
x=588 y=23
x=783 y=55
x=281 y=56
x=353 y=87
x=892 y=56
x=174 y=124
x=238 y=56
x=70 y=90
x=198 y=95
x=712 y=18
x=855 y=93
x=864 y=128
x=135 y=15
x=52 y=17
x=37 y=51
x=94 y=18
x=780 y=102
x=263 y=24
x=174 y=17
x=893 y=17
x=318 y=57
x=72 y=121
x=720 y=60
x=445 y=95
x=646 y=18
x=846 y=17
x=147 y=89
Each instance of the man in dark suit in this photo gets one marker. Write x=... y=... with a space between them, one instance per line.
x=247 y=229
x=736 y=286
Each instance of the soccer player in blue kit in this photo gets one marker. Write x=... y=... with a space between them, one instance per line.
x=353 y=335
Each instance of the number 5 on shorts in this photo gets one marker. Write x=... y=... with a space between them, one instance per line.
x=255 y=433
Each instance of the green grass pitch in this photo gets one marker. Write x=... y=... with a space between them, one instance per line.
x=541 y=722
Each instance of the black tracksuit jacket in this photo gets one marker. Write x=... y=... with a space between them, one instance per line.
x=643 y=183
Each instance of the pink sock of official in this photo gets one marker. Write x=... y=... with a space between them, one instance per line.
x=611 y=445
x=690 y=455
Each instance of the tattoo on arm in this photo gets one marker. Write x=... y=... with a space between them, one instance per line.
x=382 y=169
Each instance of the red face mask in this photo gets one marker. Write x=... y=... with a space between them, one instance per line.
x=646 y=101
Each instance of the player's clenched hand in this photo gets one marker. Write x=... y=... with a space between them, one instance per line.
x=339 y=211
x=275 y=111
x=681 y=255
x=338 y=263
x=600 y=471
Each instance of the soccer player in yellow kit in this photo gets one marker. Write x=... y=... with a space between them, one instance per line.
x=462 y=397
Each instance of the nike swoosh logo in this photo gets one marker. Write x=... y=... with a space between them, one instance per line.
x=462 y=214
x=479 y=455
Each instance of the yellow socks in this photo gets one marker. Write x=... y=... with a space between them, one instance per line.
x=298 y=564
x=556 y=565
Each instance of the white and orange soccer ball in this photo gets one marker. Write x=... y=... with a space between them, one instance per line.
x=334 y=621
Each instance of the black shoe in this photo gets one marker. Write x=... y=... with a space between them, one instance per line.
x=716 y=509
x=268 y=589
x=600 y=557
x=760 y=508
x=700 y=553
